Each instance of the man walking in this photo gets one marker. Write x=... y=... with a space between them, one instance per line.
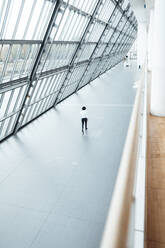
x=84 y=118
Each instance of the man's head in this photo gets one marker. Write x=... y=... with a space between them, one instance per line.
x=83 y=108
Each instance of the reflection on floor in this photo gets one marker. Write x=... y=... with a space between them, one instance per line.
x=55 y=184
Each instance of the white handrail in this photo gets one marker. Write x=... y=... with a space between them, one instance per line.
x=116 y=229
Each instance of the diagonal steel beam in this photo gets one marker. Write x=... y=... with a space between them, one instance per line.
x=123 y=14
x=37 y=61
x=79 y=46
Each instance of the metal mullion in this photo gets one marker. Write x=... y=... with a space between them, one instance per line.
x=37 y=61
x=46 y=104
x=81 y=6
x=51 y=102
x=26 y=116
x=34 y=51
x=37 y=109
x=34 y=93
x=18 y=42
x=69 y=28
x=30 y=95
x=129 y=29
x=39 y=100
x=120 y=47
x=1 y=99
x=44 y=83
x=76 y=9
x=17 y=99
x=85 y=8
x=6 y=111
x=78 y=23
x=51 y=59
x=53 y=98
x=1 y=127
x=50 y=86
x=9 y=125
x=25 y=62
x=59 y=79
x=5 y=18
x=9 y=102
x=43 y=87
x=55 y=83
x=18 y=19
x=131 y=23
x=89 y=8
x=70 y=53
x=38 y=21
x=70 y=82
x=80 y=43
x=46 y=17
x=32 y=111
x=77 y=31
x=49 y=49
x=58 y=53
x=39 y=89
x=19 y=51
x=103 y=11
x=6 y=62
x=1 y=48
x=29 y=19
x=67 y=23
x=118 y=34
x=2 y=9
x=43 y=105
x=46 y=86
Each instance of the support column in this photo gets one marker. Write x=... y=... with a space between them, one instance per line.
x=150 y=40
x=141 y=44
x=158 y=64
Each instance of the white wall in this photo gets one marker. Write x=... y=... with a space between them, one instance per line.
x=150 y=40
x=141 y=44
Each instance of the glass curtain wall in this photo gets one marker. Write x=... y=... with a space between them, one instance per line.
x=49 y=49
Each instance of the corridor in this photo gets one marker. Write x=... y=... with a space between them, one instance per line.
x=56 y=184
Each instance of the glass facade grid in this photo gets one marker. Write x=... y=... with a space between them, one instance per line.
x=49 y=49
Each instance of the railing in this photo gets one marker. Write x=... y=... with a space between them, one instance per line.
x=120 y=230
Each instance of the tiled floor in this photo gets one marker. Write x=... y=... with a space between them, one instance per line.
x=55 y=184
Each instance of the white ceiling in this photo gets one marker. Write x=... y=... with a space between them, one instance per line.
x=142 y=14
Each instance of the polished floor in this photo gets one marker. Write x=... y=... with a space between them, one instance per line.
x=56 y=184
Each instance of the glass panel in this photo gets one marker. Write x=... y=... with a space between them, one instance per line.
x=72 y=26
x=85 y=5
x=95 y=32
x=22 y=19
x=106 y=10
x=16 y=61
x=84 y=39
x=85 y=52
x=59 y=56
